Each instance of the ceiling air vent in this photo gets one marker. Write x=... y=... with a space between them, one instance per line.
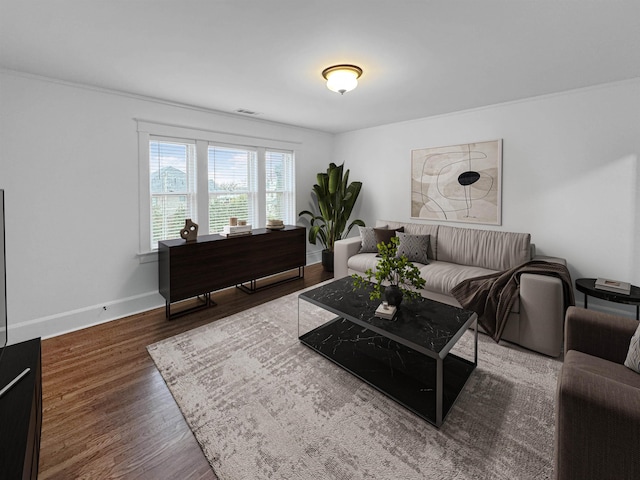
x=244 y=111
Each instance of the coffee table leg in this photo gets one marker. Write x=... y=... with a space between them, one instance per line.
x=475 y=352
x=439 y=391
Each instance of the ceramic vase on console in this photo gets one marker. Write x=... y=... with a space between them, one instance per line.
x=393 y=295
x=190 y=231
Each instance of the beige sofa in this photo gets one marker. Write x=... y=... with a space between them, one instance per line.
x=536 y=320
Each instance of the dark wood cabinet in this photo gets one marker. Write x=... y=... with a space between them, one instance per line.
x=214 y=262
x=20 y=411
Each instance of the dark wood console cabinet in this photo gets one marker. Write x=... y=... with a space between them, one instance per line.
x=214 y=262
x=20 y=411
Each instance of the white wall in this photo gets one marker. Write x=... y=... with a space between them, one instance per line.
x=69 y=167
x=570 y=172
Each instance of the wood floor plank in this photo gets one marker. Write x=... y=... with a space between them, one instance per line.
x=107 y=413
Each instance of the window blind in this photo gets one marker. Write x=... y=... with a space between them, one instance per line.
x=233 y=186
x=279 y=186
x=172 y=186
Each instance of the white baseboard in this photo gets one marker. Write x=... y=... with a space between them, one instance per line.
x=314 y=257
x=65 y=322
x=54 y=325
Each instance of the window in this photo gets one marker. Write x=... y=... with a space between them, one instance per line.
x=172 y=185
x=210 y=177
x=233 y=186
x=279 y=185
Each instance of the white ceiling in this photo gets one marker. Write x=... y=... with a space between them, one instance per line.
x=420 y=58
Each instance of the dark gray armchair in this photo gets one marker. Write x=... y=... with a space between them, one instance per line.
x=598 y=400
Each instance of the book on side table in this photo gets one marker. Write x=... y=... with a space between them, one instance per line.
x=614 y=286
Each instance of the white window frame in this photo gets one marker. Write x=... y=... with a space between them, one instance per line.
x=202 y=138
x=288 y=194
x=192 y=177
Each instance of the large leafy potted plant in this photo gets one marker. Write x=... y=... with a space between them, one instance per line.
x=397 y=273
x=335 y=198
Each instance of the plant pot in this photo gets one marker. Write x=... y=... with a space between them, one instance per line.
x=327 y=260
x=393 y=295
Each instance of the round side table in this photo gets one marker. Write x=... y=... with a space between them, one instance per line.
x=587 y=286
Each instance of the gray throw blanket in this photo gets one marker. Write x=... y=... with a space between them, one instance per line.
x=492 y=296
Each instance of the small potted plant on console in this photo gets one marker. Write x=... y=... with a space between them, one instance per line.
x=397 y=272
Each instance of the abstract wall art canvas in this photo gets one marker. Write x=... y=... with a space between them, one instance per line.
x=459 y=183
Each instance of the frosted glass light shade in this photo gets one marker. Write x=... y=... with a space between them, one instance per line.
x=342 y=78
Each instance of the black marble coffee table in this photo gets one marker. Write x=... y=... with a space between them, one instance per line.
x=406 y=358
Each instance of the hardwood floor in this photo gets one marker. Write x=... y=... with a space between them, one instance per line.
x=107 y=413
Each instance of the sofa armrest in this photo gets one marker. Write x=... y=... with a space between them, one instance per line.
x=599 y=334
x=541 y=313
x=597 y=425
x=342 y=251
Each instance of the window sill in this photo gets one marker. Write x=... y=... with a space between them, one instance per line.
x=148 y=257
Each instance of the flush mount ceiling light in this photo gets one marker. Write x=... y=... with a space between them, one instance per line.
x=342 y=78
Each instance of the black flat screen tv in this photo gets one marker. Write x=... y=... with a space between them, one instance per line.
x=3 y=281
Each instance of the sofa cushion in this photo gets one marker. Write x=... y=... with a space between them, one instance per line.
x=633 y=355
x=414 y=247
x=368 y=239
x=441 y=277
x=490 y=249
x=603 y=368
x=363 y=261
x=417 y=229
x=384 y=235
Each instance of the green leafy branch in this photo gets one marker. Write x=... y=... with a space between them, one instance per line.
x=392 y=269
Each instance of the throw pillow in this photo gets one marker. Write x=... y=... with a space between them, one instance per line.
x=368 y=242
x=633 y=356
x=384 y=235
x=414 y=247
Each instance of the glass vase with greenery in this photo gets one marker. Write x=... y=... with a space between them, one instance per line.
x=396 y=272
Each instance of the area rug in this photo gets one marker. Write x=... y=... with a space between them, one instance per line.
x=261 y=405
